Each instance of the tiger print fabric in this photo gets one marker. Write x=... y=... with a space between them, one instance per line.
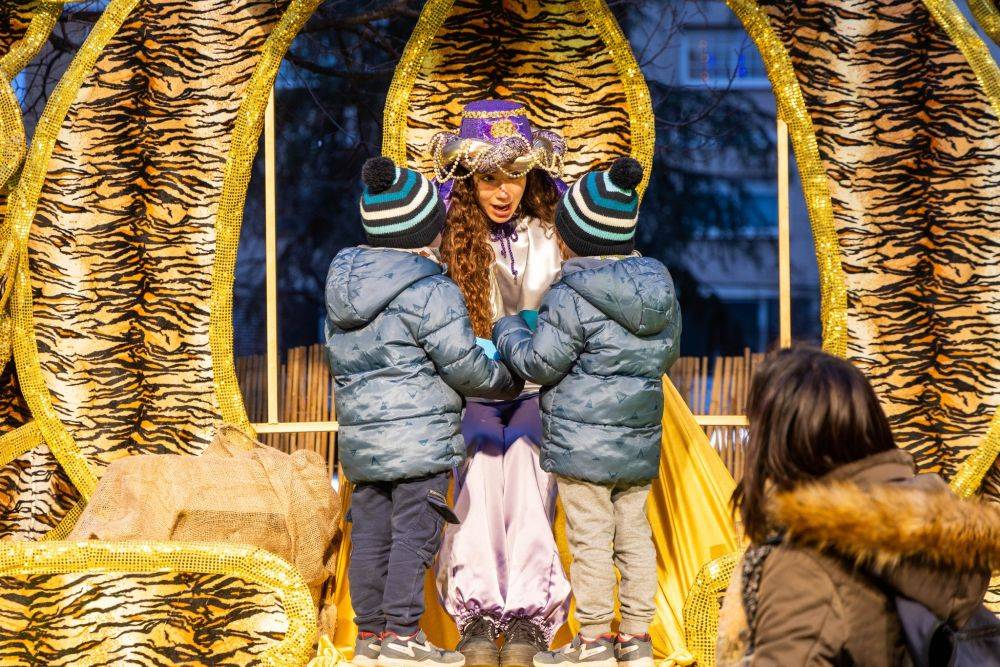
x=97 y=618
x=122 y=245
x=547 y=55
x=14 y=19
x=21 y=480
x=910 y=146
x=151 y=604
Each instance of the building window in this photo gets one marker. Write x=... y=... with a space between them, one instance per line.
x=721 y=58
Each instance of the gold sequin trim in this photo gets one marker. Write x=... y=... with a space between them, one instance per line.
x=988 y=16
x=244 y=562
x=13 y=144
x=969 y=477
x=18 y=441
x=397 y=101
x=65 y=525
x=637 y=101
x=701 y=608
x=43 y=20
x=509 y=113
x=20 y=214
x=792 y=109
x=249 y=123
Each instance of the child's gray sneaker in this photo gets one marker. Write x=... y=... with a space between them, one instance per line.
x=634 y=651
x=598 y=652
x=366 y=649
x=414 y=651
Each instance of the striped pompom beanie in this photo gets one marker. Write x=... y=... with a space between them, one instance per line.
x=399 y=207
x=598 y=214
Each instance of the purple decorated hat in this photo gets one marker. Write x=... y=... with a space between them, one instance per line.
x=496 y=135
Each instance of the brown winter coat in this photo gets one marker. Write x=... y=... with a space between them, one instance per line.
x=863 y=534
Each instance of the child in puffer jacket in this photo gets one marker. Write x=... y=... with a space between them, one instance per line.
x=607 y=332
x=403 y=355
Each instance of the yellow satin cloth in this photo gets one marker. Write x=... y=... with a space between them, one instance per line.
x=689 y=513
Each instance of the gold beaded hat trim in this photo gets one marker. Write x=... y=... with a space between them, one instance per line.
x=496 y=135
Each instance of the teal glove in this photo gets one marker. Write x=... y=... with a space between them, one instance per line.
x=530 y=318
x=489 y=348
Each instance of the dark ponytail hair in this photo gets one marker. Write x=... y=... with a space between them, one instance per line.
x=809 y=412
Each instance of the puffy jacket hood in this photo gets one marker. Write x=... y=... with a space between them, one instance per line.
x=363 y=281
x=635 y=292
x=898 y=526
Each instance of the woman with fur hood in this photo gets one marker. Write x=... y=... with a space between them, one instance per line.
x=840 y=526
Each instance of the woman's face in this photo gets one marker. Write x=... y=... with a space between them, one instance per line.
x=499 y=195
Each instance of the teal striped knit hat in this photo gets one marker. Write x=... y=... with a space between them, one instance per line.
x=598 y=214
x=400 y=208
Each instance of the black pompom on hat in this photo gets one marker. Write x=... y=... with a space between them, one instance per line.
x=598 y=214
x=400 y=208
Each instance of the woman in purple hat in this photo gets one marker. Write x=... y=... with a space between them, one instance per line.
x=499 y=571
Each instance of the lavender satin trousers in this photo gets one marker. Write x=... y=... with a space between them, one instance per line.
x=501 y=561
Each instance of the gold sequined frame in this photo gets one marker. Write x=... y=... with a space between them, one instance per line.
x=701 y=608
x=249 y=123
x=988 y=16
x=13 y=142
x=414 y=60
x=792 y=110
x=244 y=562
x=24 y=201
x=20 y=213
x=969 y=477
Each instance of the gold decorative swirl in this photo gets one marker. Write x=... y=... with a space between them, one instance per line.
x=397 y=101
x=637 y=100
x=13 y=143
x=249 y=123
x=986 y=13
x=248 y=563
x=792 y=109
x=969 y=477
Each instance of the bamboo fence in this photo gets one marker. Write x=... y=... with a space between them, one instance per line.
x=305 y=393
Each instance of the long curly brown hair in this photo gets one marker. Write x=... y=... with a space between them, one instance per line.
x=465 y=245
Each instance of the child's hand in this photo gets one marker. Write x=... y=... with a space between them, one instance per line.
x=489 y=348
x=530 y=318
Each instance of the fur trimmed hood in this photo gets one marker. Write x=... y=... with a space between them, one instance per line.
x=864 y=533
x=877 y=513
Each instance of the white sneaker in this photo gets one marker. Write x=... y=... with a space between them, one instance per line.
x=366 y=649
x=414 y=651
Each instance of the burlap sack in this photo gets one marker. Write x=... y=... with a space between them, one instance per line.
x=238 y=490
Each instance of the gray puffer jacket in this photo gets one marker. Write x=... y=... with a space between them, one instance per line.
x=607 y=332
x=402 y=353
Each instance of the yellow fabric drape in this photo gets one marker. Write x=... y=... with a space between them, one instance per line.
x=689 y=513
x=688 y=510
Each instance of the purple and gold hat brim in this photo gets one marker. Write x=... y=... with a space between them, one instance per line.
x=513 y=154
x=496 y=135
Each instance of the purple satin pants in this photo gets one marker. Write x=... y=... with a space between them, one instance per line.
x=502 y=562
